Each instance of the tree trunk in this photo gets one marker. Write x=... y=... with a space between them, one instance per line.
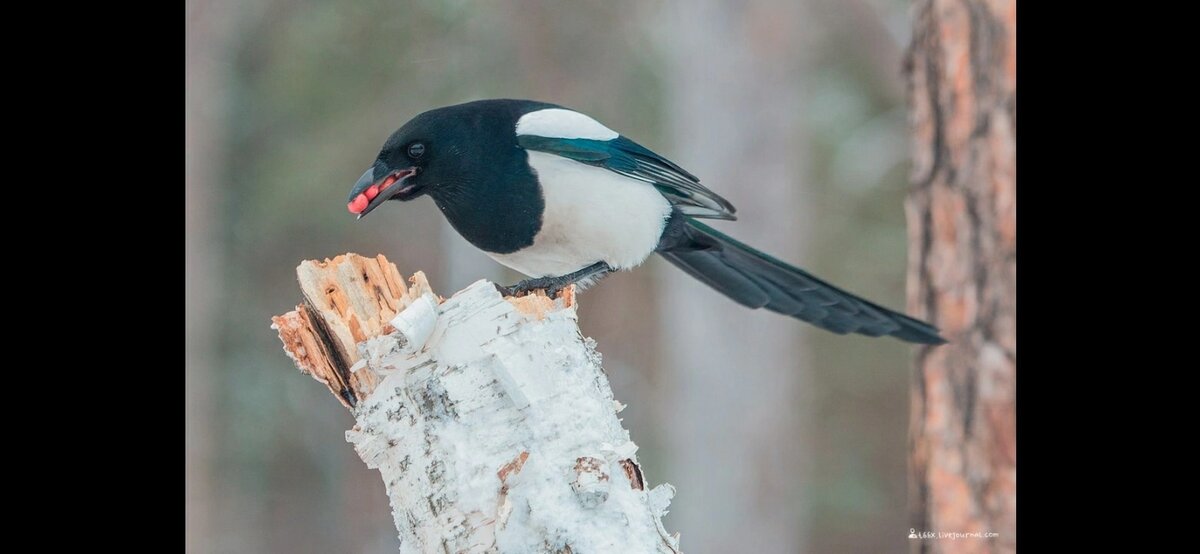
x=745 y=143
x=962 y=274
x=489 y=419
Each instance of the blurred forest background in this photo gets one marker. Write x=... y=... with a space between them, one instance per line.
x=791 y=109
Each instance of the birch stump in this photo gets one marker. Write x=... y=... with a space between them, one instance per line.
x=962 y=273
x=490 y=419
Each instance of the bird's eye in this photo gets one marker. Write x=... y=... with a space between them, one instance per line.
x=416 y=150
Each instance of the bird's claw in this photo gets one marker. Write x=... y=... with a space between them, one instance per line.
x=523 y=289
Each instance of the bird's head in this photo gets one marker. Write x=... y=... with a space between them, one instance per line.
x=407 y=165
x=452 y=154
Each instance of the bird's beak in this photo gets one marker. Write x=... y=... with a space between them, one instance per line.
x=377 y=185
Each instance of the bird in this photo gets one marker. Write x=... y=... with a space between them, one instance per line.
x=556 y=195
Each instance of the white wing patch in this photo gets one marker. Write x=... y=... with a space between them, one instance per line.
x=560 y=123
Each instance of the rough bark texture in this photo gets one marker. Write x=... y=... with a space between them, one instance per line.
x=489 y=418
x=962 y=273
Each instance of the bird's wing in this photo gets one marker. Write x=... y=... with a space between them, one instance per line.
x=633 y=160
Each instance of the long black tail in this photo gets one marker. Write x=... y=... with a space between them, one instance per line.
x=758 y=280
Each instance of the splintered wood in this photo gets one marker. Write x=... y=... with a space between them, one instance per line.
x=352 y=298
x=346 y=300
x=538 y=304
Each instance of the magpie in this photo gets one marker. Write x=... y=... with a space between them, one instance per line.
x=557 y=196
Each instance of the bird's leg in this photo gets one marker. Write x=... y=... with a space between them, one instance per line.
x=553 y=285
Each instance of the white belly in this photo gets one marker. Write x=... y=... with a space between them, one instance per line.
x=592 y=215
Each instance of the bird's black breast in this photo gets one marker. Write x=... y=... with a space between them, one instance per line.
x=486 y=189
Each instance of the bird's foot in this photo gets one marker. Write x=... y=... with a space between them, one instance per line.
x=555 y=285
x=548 y=284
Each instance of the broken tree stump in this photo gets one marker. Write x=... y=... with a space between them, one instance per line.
x=490 y=419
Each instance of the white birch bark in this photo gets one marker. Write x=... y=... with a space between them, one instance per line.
x=493 y=426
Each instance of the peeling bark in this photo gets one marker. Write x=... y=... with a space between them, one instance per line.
x=489 y=418
x=961 y=70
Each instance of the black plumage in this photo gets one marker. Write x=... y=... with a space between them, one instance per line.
x=757 y=280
